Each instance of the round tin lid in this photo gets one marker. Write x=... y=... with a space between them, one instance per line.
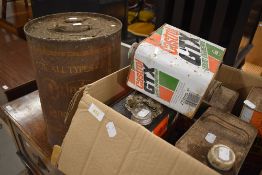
x=221 y=157
x=142 y=115
x=72 y=26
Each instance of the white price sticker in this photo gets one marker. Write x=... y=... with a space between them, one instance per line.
x=96 y=112
x=143 y=113
x=210 y=137
x=111 y=130
x=5 y=87
x=223 y=153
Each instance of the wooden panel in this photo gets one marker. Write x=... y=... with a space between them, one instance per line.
x=218 y=20
x=197 y=16
x=178 y=11
x=29 y=130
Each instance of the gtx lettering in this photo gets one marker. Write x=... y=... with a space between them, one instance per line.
x=191 y=47
x=149 y=79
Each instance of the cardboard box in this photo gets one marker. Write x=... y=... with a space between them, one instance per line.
x=175 y=68
x=87 y=148
x=102 y=141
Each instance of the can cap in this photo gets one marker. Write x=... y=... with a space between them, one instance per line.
x=221 y=157
x=250 y=104
x=72 y=26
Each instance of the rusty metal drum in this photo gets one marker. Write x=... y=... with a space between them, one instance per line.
x=70 y=50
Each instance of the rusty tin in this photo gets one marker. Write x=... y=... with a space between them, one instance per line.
x=220 y=96
x=216 y=127
x=70 y=50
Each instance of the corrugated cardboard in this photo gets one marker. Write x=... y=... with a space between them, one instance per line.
x=88 y=147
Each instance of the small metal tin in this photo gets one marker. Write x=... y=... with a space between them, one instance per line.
x=221 y=157
x=142 y=115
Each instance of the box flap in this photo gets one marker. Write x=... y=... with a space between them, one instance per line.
x=238 y=80
x=110 y=87
x=91 y=147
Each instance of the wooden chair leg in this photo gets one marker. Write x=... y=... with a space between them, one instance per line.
x=4 y=3
x=26 y=4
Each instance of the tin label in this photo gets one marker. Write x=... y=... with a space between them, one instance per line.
x=223 y=153
x=175 y=68
x=210 y=137
x=143 y=113
x=246 y=113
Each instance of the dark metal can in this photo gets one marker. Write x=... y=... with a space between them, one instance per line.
x=70 y=50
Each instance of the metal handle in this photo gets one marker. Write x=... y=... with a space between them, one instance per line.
x=72 y=25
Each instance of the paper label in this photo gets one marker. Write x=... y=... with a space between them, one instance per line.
x=223 y=153
x=246 y=113
x=96 y=112
x=5 y=87
x=210 y=138
x=143 y=113
x=111 y=130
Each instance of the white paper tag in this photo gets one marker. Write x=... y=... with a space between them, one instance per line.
x=223 y=153
x=8 y=107
x=96 y=112
x=210 y=138
x=143 y=113
x=111 y=130
x=5 y=87
x=246 y=113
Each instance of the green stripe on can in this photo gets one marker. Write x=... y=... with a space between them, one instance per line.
x=167 y=81
x=132 y=65
x=159 y=31
x=215 y=52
